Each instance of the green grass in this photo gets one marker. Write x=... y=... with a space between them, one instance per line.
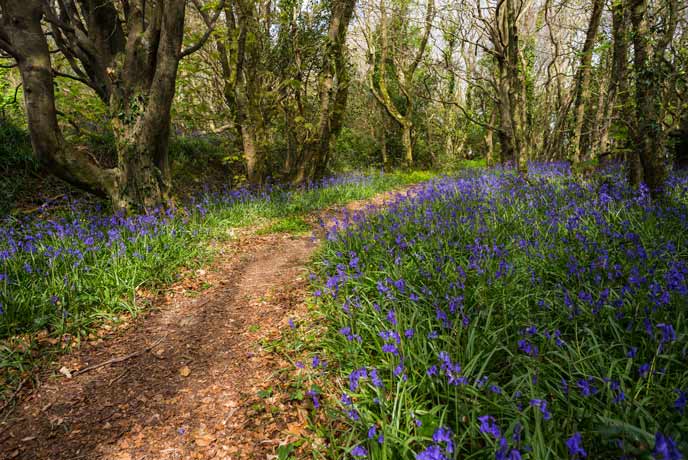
x=542 y=303
x=294 y=225
x=68 y=271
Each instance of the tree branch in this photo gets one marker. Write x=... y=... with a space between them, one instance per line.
x=209 y=30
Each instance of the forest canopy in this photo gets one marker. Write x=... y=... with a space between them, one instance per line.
x=291 y=90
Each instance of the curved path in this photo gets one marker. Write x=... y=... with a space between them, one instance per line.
x=205 y=390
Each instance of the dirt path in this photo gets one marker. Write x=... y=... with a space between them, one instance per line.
x=195 y=395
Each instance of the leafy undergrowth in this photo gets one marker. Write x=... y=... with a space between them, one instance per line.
x=488 y=316
x=71 y=265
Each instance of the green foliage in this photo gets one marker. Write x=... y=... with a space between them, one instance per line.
x=355 y=149
x=543 y=303
x=16 y=162
x=293 y=224
x=72 y=266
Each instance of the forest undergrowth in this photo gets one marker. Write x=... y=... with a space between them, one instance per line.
x=71 y=265
x=491 y=316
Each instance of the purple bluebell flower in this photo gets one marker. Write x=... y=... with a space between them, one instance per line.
x=444 y=435
x=359 y=452
x=542 y=405
x=528 y=348
x=489 y=426
x=575 y=446
x=644 y=369
x=433 y=452
x=665 y=448
x=667 y=332
x=680 y=403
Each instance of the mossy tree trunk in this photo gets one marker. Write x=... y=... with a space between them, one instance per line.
x=129 y=58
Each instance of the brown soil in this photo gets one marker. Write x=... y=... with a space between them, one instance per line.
x=194 y=395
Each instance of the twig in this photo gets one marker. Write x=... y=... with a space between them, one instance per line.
x=119 y=359
x=48 y=200
x=14 y=395
x=126 y=371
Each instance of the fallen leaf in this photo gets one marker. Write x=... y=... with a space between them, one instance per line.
x=297 y=429
x=66 y=372
x=204 y=440
x=185 y=371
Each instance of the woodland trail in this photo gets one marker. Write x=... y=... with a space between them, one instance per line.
x=194 y=395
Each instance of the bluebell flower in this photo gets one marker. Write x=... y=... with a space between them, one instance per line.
x=575 y=446
x=644 y=369
x=665 y=448
x=586 y=386
x=528 y=348
x=433 y=452
x=489 y=426
x=444 y=435
x=375 y=378
x=314 y=397
x=680 y=403
x=359 y=451
x=667 y=332
x=542 y=405
x=346 y=399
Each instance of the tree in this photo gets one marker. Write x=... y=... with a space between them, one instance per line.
x=510 y=82
x=333 y=90
x=650 y=65
x=128 y=55
x=402 y=65
x=583 y=79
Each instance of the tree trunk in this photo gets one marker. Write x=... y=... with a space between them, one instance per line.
x=382 y=128
x=583 y=79
x=407 y=142
x=23 y=23
x=253 y=166
x=333 y=91
x=648 y=134
x=404 y=77
x=136 y=79
x=489 y=139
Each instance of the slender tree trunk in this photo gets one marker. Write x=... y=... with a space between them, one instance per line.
x=583 y=80
x=407 y=142
x=489 y=139
x=333 y=92
x=381 y=132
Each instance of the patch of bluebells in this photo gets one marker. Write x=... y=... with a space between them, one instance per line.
x=70 y=257
x=546 y=302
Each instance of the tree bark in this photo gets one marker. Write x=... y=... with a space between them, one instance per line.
x=404 y=78
x=134 y=74
x=583 y=80
x=333 y=92
x=22 y=23
x=649 y=135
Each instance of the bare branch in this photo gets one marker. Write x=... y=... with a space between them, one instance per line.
x=210 y=23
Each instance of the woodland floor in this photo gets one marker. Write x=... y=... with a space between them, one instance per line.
x=194 y=395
